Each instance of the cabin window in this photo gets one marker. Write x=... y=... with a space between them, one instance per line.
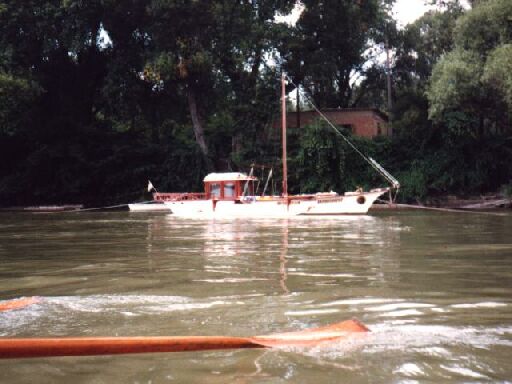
x=215 y=190
x=229 y=190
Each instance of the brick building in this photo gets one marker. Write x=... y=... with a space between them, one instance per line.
x=366 y=122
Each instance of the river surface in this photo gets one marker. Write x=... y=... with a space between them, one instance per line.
x=435 y=289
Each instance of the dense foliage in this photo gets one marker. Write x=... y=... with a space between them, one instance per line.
x=98 y=96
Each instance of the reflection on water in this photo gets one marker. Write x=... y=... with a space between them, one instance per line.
x=435 y=289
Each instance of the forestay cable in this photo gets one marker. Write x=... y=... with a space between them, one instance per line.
x=379 y=168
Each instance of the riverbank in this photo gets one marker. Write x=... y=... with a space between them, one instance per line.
x=44 y=208
x=484 y=202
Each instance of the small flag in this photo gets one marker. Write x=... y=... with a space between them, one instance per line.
x=150 y=186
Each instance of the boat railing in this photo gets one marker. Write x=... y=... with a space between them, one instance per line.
x=177 y=196
x=300 y=197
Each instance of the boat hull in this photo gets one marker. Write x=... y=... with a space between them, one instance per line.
x=256 y=209
x=356 y=204
x=151 y=207
x=353 y=204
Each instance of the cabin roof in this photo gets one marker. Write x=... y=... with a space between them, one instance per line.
x=228 y=176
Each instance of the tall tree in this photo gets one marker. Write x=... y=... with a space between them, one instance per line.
x=210 y=51
x=465 y=80
x=329 y=43
x=420 y=45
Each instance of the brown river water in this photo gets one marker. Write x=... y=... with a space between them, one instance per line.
x=435 y=289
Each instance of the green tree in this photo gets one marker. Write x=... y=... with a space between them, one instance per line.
x=465 y=80
x=485 y=27
x=17 y=95
x=456 y=85
x=328 y=45
x=468 y=103
x=498 y=73
x=212 y=52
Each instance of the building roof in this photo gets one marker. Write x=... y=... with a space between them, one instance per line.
x=228 y=176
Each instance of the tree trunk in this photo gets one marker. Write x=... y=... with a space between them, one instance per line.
x=297 y=108
x=481 y=122
x=197 y=126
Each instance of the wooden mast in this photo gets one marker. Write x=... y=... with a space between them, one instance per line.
x=283 y=134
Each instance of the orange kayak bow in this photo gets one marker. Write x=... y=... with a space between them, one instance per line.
x=18 y=303
x=87 y=346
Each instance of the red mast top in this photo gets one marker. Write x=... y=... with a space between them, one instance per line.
x=283 y=127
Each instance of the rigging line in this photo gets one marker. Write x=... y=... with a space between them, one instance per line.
x=259 y=180
x=247 y=182
x=266 y=184
x=395 y=183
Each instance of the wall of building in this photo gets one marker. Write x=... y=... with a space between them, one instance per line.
x=362 y=122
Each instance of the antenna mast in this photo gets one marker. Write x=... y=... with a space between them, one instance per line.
x=283 y=133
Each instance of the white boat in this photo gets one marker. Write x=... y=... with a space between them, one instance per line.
x=224 y=197
x=233 y=194
x=153 y=206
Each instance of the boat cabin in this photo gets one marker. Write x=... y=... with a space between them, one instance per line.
x=228 y=185
x=217 y=186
